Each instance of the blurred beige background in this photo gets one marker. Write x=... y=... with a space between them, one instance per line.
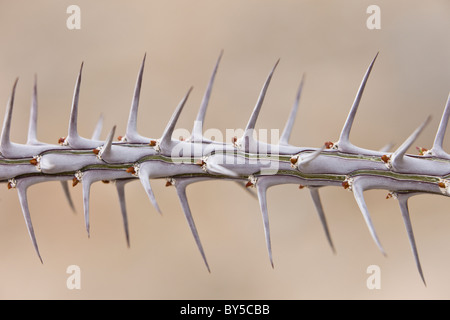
x=327 y=40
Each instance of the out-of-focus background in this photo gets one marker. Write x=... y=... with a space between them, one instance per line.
x=329 y=42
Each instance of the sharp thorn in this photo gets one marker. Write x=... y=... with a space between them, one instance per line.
x=32 y=126
x=358 y=194
x=252 y=122
x=73 y=122
x=65 y=188
x=318 y=204
x=144 y=173
x=397 y=156
x=108 y=143
x=262 y=190
x=344 y=141
x=439 y=139
x=284 y=140
x=86 y=197
x=166 y=137
x=120 y=186
x=131 y=132
x=22 y=193
x=197 y=130
x=403 y=202
x=5 y=142
x=181 y=191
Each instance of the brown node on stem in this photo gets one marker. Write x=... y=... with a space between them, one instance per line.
x=389 y=195
x=61 y=140
x=75 y=181
x=105 y=181
x=200 y=162
x=95 y=151
x=301 y=186
x=119 y=138
x=385 y=158
x=131 y=170
x=441 y=184
x=152 y=143
x=168 y=183
x=9 y=185
x=294 y=160
x=34 y=162
x=345 y=184
x=421 y=150
x=329 y=144
x=249 y=184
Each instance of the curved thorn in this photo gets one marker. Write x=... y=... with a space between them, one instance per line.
x=131 y=132
x=310 y=157
x=145 y=181
x=181 y=191
x=98 y=128
x=358 y=194
x=284 y=140
x=345 y=133
x=32 y=125
x=319 y=208
x=22 y=193
x=403 y=202
x=397 y=156
x=166 y=137
x=216 y=168
x=439 y=139
x=73 y=122
x=252 y=121
x=65 y=187
x=120 y=186
x=262 y=190
x=197 y=130
x=5 y=142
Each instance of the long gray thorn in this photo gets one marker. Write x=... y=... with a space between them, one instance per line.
x=22 y=192
x=262 y=190
x=344 y=140
x=32 y=126
x=120 y=186
x=131 y=132
x=319 y=208
x=439 y=140
x=65 y=187
x=166 y=137
x=398 y=155
x=252 y=121
x=181 y=191
x=98 y=128
x=197 y=130
x=284 y=140
x=403 y=202
x=144 y=177
x=358 y=194
x=73 y=122
x=86 y=197
x=5 y=142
